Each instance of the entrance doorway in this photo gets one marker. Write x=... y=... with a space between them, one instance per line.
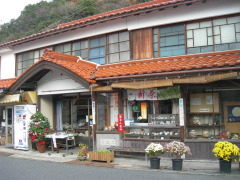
x=9 y=124
x=75 y=114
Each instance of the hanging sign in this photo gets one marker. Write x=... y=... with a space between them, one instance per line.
x=93 y=112
x=181 y=112
x=120 y=123
x=154 y=94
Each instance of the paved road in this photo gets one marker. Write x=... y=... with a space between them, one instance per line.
x=12 y=168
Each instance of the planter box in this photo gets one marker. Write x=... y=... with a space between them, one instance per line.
x=98 y=156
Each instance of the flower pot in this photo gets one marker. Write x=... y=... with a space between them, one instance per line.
x=42 y=148
x=177 y=164
x=225 y=166
x=99 y=156
x=155 y=163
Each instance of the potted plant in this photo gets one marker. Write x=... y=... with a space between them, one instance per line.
x=101 y=155
x=176 y=150
x=226 y=152
x=82 y=153
x=38 y=128
x=153 y=150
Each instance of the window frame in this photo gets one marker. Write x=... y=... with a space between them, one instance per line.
x=19 y=71
x=214 y=44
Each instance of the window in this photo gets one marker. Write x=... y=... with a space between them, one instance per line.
x=169 y=41
x=213 y=35
x=63 y=48
x=24 y=60
x=80 y=48
x=118 y=47
x=107 y=110
x=142 y=44
x=97 y=50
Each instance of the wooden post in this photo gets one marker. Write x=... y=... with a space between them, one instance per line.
x=120 y=107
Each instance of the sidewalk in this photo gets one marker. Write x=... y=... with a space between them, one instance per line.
x=207 y=167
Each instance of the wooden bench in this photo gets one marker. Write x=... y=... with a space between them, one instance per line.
x=126 y=151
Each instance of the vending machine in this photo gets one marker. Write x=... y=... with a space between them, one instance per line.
x=22 y=115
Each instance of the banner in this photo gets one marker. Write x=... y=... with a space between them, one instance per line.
x=154 y=94
x=120 y=123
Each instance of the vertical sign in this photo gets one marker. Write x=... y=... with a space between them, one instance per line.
x=120 y=123
x=93 y=112
x=181 y=112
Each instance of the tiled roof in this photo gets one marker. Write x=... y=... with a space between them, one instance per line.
x=91 y=72
x=6 y=83
x=169 y=64
x=148 y=6
x=130 y=9
x=81 y=68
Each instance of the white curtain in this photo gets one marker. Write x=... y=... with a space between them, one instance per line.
x=59 y=115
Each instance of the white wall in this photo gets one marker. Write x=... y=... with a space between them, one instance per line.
x=46 y=103
x=7 y=65
x=56 y=83
x=184 y=13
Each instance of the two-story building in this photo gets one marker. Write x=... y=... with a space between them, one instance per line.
x=171 y=67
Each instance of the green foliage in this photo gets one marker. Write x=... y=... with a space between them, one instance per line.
x=44 y=15
x=83 y=150
x=39 y=126
x=103 y=151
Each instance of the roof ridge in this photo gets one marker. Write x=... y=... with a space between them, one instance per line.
x=123 y=10
x=129 y=9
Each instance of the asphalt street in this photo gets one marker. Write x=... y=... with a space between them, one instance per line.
x=12 y=168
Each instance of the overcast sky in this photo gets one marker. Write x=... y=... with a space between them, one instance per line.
x=11 y=9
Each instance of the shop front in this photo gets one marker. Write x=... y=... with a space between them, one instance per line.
x=198 y=114
x=13 y=126
x=62 y=86
x=212 y=115
x=150 y=115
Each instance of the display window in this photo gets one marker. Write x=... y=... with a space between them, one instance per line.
x=107 y=111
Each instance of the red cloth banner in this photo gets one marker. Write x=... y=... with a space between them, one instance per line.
x=120 y=123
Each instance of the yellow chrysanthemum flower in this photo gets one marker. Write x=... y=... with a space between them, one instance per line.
x=227 y=151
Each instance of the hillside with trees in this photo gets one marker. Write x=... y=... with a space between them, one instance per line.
x=45 y=15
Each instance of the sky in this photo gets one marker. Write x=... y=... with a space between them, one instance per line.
x=11 y=9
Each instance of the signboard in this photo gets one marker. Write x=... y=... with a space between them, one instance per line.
x=233 y=113
x=120 y=123
x=181 y=112
x=154 y=94
x=93 y=112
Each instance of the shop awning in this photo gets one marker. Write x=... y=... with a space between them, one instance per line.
x=102 y=88
x=29 y=97
x=144 y=84
x=205 y=79
x=7 y=99
x=218 y=77
x=201 y=79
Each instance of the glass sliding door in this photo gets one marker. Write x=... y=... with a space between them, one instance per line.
x=9 y=126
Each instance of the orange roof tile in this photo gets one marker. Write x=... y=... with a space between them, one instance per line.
x=82 y=68
x=127 y=11
x=6 y=83
x=169 y=64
